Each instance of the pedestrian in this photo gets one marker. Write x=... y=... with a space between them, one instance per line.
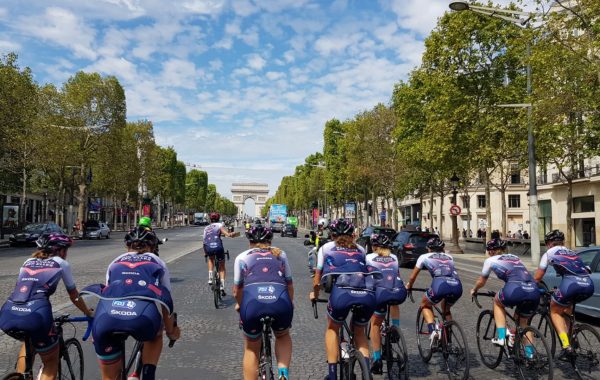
x=479 y=233
x=464 y=233
x=519 y=235
x=470 y=233
x=436 y=231
x=525 y=235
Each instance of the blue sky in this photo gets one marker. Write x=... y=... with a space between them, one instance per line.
x=242 y=88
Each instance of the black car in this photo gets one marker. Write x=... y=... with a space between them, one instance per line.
x=409 y=245
x=365 y=236
x=289 y=230
x=32 y=232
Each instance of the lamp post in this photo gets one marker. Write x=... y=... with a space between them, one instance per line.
x=521 y=19
x=455 y=248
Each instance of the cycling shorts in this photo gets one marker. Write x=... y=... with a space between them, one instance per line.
x=261 y=300
x=573 y=289
x=218 y=252
x=342 y=300
x=34 y=318
x=524 y=296
x=385 y=297
x=444 y=288
x=140 y=319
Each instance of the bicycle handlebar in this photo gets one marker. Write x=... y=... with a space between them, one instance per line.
x=314 y=306
x=489 y=293
x=66 y=319
x=416 y=290
x=171 y=341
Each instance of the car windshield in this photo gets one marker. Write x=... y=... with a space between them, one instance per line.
x=34 y=227
x=387 y=232
x=419 y=240
x=289 y=226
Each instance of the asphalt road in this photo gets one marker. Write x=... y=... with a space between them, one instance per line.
x=211 y=345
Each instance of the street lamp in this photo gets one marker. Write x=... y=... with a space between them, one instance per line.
x=521 y=19
x=455 y=248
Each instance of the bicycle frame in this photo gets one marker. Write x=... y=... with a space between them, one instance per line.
x=265 y=365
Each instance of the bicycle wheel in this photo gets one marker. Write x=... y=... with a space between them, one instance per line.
x=70 y=366
x=216 y=290
x=14 y=376
x=356 y=367
x=543 y=323
x=265 y=364
x=135 y=359
x=532 y=355
x=423 y=334
x=456 y=351
x=586 y=343
x=396 y=355
x=490 y=354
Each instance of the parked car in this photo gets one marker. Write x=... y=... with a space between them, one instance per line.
x=96 y=230
x=409 y=245
x=289 y=230
x=32 y=232
x=591 y=258
x=365 y=236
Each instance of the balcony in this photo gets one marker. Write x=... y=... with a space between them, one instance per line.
x=587 y=172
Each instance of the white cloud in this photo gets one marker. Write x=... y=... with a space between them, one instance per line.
x=179 y=73
x=123 y=69
x=336 y=43
x=63 y=28
x=256 y=62
x=9 y=46
x=3 y=13
x=243 y=8
x=417 y=15
x=206 y=7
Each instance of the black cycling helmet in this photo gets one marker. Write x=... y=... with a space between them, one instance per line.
x=341 y=227
x=436 y=244
x=141 y=234
x=381 y=240
x=53 y=241
x=259 y=234
x=554 y=235
x=214 y=217
x=495 y=244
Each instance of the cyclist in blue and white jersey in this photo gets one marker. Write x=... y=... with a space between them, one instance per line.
x=519 y=290
x=213 y=247
x=575 y=286
x=28 y=308
x=353 y=286
x=263 y=287
x=389 y=290
x=136 y=299
x=445 y=285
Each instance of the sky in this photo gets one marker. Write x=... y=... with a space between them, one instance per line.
x=240 y=88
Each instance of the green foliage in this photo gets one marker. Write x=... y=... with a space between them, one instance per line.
x=196 y=190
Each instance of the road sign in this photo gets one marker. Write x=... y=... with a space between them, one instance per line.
x=455 y=210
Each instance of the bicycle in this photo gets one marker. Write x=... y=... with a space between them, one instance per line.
x=535 y=364
x=349 y=355
x=70 y=361
x=265 y=363
x=584 y=339
x=135 y=359
x=216 y=283
x=452 y=343
x=393 y=349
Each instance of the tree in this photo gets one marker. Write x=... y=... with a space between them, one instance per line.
x=196 y=191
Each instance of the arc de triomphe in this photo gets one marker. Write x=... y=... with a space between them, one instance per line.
x=259 y=192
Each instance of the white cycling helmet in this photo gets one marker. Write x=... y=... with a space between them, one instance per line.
x=323 y=222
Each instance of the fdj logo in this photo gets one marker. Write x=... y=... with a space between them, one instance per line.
x=124 y=304
x=266 y=289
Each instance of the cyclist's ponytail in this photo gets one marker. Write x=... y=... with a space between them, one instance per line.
x=274 y=250
x=345 y=241
x=382 y=251
x=41 y=254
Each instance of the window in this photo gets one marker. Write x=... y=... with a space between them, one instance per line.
x=583 y=204
x=465 y=201
x=481 y=201
x=515 y=174
x=514 y=200
x=588 y=256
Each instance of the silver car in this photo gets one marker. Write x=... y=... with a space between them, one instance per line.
x=591 y=258
x=97 y=231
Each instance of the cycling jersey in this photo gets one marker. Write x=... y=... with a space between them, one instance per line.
x=520 y=290
x=137 y=286
x=389 y=288
x=446 y=284
x=265 y=279
x=212 y=242
x=576 y=284
x=28 y=308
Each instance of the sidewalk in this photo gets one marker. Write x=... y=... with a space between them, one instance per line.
x=479 y=257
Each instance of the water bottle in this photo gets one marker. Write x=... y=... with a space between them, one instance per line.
x=345 y=347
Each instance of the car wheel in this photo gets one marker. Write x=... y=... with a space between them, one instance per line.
x=108 y=235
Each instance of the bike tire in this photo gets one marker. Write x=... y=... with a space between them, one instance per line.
x=543 y=323
x=586 y=343
x=455 y=345
x=70 y=365
x=14 y=376
x=357 y=367
x=265 y=364
x=423 y=337
x=396 y=355
x=134 y=359
x=216 y=289
x=490 y=354
x=539 y=366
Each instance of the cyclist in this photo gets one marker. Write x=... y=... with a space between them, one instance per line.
x=28 y=308
x=575 y=286
x=263 y=287
x=519 y=289
x=389 y=289
x=145 y=221
x=135 y=300
x=346 y=261
x=445 y=285
x=213 y=247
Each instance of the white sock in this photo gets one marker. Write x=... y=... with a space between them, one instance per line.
x=210 y=275
x=222 y=283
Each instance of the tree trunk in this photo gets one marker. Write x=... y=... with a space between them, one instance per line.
x=570 y=242
x=431 y=209
x=23 y=202
x=441 y=219
x=375 y=209
x=503 y=208
x=115 y=212
x=488 y=208
x=81 y=197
